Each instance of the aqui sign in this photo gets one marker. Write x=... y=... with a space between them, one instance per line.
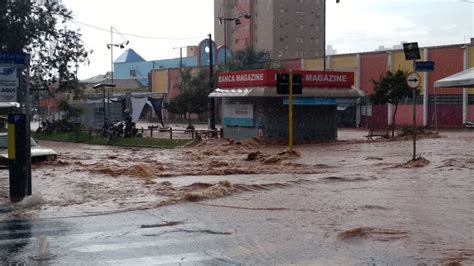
x=9 y=62
x=8 y=84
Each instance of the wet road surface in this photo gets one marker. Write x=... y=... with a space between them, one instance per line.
x=347 y=203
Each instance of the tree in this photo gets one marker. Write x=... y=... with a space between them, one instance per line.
x=193 y=97
x=250 y=59
x=40 y=29
x=391 y=88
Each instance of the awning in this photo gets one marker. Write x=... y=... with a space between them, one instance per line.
x=271 y=92
x=463 y=79
x=9 y=105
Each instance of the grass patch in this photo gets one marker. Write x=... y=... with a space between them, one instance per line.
x=127 y=142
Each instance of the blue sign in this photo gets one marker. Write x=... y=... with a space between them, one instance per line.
x=240 y=122
x=424 y=66
x=14 y=58
x=17 y=119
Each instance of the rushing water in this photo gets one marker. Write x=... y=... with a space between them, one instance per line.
x=364 y=190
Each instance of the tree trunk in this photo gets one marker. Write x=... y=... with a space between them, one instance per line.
x=189 y=120
x=393 y=120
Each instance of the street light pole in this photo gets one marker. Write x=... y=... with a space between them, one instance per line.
x=324 y=39
x=212 y=104
x=223 y=20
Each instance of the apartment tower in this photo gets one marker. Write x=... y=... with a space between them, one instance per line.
x=285 y=28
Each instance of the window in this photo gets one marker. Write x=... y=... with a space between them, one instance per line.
x=133 y=73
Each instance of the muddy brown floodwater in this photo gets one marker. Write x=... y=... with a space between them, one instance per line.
x=366 y=190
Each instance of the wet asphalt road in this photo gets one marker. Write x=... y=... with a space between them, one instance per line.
x=250 y=229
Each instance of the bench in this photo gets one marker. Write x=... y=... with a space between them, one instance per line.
x=378 y=132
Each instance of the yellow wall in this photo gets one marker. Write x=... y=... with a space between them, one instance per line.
x=345 y=63
x=470 y=59
x=313 y=64
x=399 y=62
x=160 y=81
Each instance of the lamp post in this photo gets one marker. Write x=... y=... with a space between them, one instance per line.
x=212 y=104
x=103 y=85
x=224 y=19
x=111 y=46
x=324 y=39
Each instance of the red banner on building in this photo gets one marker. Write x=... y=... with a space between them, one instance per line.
x=262 y=78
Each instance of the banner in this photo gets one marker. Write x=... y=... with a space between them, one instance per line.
x=262 y=78
x=157 y=104
x=238 y=115
x=8 y=84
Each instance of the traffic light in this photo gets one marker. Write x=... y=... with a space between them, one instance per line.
x=283 y=84
x=297 y=84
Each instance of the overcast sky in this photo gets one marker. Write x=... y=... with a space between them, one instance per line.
x=352 y=25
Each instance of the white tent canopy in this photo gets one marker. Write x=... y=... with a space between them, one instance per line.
x=463 y=79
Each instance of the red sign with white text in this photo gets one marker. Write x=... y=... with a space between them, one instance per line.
x=261 y=78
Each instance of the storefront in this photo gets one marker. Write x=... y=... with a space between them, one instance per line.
x=252 y=108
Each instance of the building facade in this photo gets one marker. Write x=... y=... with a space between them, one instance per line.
x=287 y=29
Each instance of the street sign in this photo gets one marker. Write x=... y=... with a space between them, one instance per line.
x=424 y=66
x=283 y=83
x=412 y=52
x=413 y=80
x=14 y=58
x=8 y=84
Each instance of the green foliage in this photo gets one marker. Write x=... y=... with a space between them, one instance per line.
x=40 y=29
x=391 y=88
x=81 y=137
x=68 y=111
x=250 y=59
x=193 y=97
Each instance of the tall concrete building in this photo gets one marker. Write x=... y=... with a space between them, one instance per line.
x=285 y=28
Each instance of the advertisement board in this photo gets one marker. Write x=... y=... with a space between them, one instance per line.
x=261 y=78
x=238 y=115
x=8 y=84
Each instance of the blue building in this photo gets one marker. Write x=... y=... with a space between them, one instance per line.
x=130 y=65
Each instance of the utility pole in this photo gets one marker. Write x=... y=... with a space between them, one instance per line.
x=324 y=39
x=212 y=104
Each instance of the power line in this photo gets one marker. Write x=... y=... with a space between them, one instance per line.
x=135 y=35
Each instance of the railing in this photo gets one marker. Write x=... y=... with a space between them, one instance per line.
x=157 y=132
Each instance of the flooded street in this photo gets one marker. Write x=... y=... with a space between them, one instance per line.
x=353 y=202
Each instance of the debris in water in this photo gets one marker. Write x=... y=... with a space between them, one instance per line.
x=173 y=223
x=253 y=156
x=374 y=158
x=344 y=179
x=416 y=163
x=374 y=233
